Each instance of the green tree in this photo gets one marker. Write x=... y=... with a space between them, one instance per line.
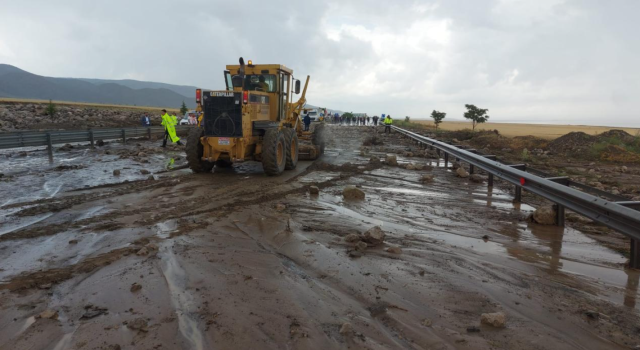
x=183 y=109
x=476 y=115
x=407 y=118
x=51 y=109
x=437 y=117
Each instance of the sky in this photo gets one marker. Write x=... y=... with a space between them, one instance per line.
x=543 y=61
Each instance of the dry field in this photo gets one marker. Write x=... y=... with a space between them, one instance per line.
x=546 y=131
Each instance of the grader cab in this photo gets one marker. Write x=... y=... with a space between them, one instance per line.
x=254 y=119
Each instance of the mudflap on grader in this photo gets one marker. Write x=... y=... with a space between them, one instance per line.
x=312 y=142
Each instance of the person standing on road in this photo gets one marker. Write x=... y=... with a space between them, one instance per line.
x=387 y=124
x=145 y=120
x=169 y=128
x=174 y=119
x=375 y=120
x=307 y=121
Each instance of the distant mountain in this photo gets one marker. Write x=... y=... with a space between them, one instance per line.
x=17 y=83
x=184 y=90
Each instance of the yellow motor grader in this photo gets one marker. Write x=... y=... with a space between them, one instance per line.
x=255 y=118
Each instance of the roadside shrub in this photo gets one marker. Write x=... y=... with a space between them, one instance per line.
x=51 y=109
x=617 y=149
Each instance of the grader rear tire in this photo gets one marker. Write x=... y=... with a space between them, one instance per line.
x=194 y=152
x=274 y=152
x=291 y=141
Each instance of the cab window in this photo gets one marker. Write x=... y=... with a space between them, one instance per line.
x=260 y=82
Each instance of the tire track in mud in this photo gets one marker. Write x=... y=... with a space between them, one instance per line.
x=182 y=300
x=54 y=276
x=57 y=204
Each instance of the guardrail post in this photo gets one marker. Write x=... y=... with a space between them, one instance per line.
x=49 y=146
x=634 y=254
x=490 y=182
x=91 y=138
x=471 y=168
x=149 y=133
x=560 y=215
x=518 y=194
x=446 y=160
x=124 y=136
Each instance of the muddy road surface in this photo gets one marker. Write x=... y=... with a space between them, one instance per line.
x=158 y=258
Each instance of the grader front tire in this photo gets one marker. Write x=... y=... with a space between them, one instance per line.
x=194 y=152
x=291 y=141
x=274 y=152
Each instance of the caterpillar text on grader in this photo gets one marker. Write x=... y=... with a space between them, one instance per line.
x=255 y=118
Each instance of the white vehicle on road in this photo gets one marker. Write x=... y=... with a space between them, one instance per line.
x=189 y=118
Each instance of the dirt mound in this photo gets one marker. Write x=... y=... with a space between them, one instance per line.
x=622 y=135
x=573 y=142
x=21 y=116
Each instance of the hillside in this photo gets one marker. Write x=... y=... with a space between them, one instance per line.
x=17 y=83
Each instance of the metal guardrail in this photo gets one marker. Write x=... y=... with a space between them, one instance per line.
x=616 y=214
x=52 y=137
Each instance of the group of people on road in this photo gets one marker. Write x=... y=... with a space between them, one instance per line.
x=350 y=119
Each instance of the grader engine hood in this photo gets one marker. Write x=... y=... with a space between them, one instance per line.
x=222 y=113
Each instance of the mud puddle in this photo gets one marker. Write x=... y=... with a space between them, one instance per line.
x=551 y=249
x=35 y=176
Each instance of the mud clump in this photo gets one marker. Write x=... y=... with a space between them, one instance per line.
x=135 y=287
x=410 y=166
x=346 y=329
x=139 y=324
x=314 y=190
x=353 y=193
x=361 y=246
x=280 y=207
x=49 y=314
x=352 y=238
x=374 y=236
x=497 y=319
x=391 y=160
x=462 y=173
x=92 y=311
x=394 y=250
x=143 y=252
x=355 y=254
x=116 y=172
x=427 y=178
x=476 y=178
x=373 y=140
x=544 y=215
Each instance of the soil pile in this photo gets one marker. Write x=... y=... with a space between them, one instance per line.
x=613 y=145
x=573 y=142
x=19 y=116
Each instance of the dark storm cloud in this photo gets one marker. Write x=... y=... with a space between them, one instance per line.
x=555 y=60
